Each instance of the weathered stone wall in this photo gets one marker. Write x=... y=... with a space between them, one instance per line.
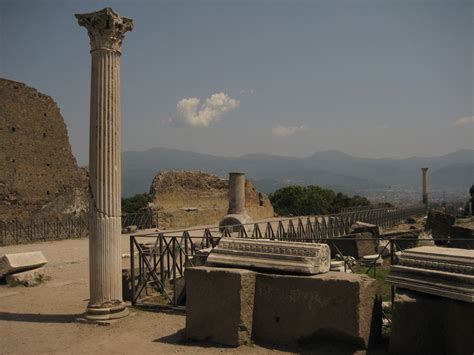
x=39 y=176
x=190 y=198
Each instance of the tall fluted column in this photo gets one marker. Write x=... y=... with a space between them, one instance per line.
x=425 y=187
x=106 y=30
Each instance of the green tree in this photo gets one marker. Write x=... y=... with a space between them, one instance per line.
x=135 y=203
x=295 y=200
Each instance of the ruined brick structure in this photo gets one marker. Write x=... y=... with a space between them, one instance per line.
x=191 y=198
x=39 y=176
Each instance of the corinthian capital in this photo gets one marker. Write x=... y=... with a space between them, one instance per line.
x=106 y=28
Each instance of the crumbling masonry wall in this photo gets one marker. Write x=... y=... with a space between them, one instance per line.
x=39 y=176
x=191 y=198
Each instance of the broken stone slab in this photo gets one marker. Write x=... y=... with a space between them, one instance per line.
x=303 y=258
x=15 y=263
x=27 y=278
x=362 y=227
x=428 y=324
x=219 y=305
x=369 y=260
x=444 y=272
x=356 y=245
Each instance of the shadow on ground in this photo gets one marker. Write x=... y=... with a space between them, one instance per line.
x=39 y=318
x=314 y=347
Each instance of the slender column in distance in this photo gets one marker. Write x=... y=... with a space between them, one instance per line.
x=106 y=31
x=425 y=187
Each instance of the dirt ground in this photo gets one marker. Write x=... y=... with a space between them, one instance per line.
x=44 y=319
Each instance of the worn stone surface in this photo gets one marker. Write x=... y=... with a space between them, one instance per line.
x=173 y=193
x=335 y=306
x=15 y=263
x=458 y=233
x=27 y=278
x=219 y=305
x=302 y=258
x=362 y=227
x=39 y=176
x=445 y=272
x=440 y=224
x=427 y=324
x=354 y=246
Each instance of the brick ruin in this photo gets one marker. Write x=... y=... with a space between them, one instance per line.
x=39 y=176
x=192 y=198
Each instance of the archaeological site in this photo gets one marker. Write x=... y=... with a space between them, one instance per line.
x=258 y=254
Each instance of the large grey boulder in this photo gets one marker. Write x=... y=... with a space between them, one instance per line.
x=14 y=263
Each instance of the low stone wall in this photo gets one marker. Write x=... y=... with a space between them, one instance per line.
x=233 y=306
x=357 y=246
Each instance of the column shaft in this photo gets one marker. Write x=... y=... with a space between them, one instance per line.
x=105 y=179
x=236 y=193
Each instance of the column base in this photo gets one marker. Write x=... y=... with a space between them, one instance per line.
x=106 y=312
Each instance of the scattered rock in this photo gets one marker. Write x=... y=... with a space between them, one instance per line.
x=15 y=263
x=28 y=278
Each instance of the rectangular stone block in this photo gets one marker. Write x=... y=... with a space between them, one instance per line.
x=303 y=258
x=333 y=306
x=427 y=324
x=219 y=305
x=461 y=237
x=356 y=245
x=445 y=272
x=14 y=263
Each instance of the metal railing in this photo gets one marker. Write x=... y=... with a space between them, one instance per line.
x=158 y=260
x=18 y=232
x=65 y=227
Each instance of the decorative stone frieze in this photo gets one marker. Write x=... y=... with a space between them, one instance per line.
x=304 y=258
x=445 y=272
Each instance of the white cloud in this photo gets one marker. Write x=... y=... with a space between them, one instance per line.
x=464 y=120
x=282 y=131
x=191 y=112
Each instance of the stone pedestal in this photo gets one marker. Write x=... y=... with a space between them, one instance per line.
x=236 y=214
x=231 y=306
x=106 y=30
x=219 y=305
x=427 y=324
x=301 y=258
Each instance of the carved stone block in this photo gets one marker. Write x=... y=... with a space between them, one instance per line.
x=303 y=258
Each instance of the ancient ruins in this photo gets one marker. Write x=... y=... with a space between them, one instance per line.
x=381 y=278
x=183 y=199
x=39 y=176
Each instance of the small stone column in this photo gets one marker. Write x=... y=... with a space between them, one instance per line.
x=106 y=30
x=425 y=187
x=236 y=193
x=236 y=213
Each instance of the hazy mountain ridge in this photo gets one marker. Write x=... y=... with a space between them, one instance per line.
x=332 y=169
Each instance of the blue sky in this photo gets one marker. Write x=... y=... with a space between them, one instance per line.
x=371 y=78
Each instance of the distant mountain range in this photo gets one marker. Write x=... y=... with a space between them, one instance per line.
x=331 y=168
